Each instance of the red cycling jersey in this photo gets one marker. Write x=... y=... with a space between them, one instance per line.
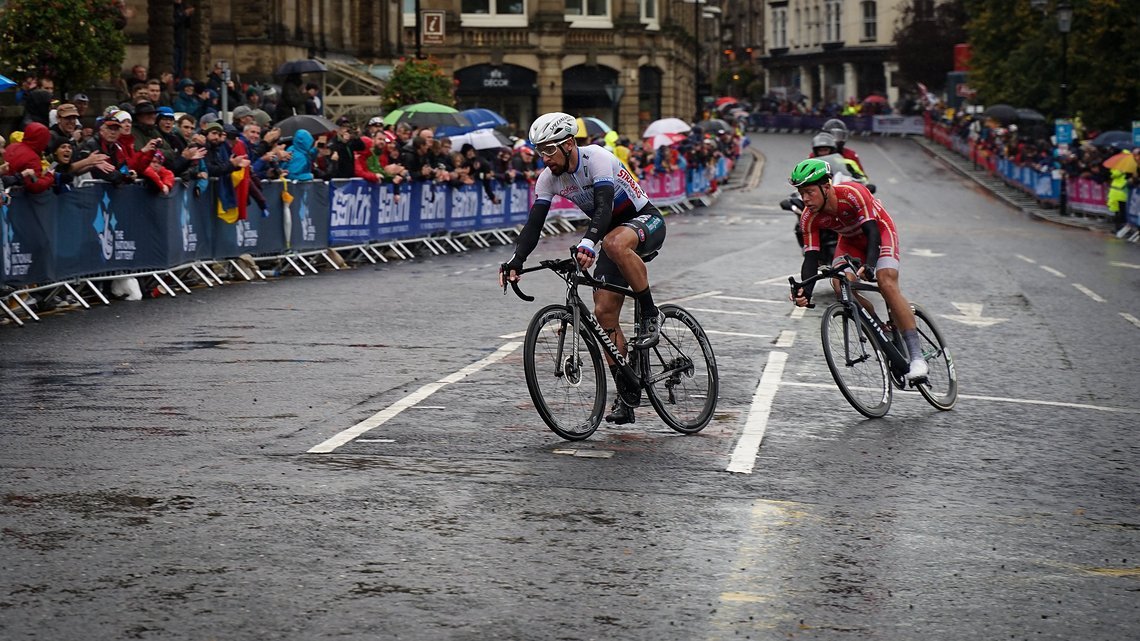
x=855 y=206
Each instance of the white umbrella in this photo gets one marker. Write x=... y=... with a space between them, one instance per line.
x=480 y=139
x=662 y=140
x=666 y=126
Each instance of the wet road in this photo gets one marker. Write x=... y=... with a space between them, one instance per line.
x=159 y=480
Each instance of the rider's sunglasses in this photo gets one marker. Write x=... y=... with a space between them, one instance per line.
x=548 y=150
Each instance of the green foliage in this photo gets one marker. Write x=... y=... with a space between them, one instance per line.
x=76 y=42
x=415 y=81
x=925 y=43
x=1017 y=59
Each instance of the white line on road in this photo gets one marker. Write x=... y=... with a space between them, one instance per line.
x=693 y=297
x=390 y=412
x=749 y=300
x=998 y=399
x=1090 y=293
x=744 y=455
x=787 y=338
x=515 y=335
x=1116 y=263
x=1130 y=318
x=722 y=311
x=717 y=331
x=1055 y=272
x=798 y=312
x=776 y=280
x=1027 y=259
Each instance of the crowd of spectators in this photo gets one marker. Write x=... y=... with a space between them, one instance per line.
x=165 y=130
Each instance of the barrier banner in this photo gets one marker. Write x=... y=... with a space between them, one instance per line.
x=394 y=214
x=430 y=202
x=353 y=209
x=698 y=182
x=183 y=221
x=256 y=235
x=106 y=229
x=27 y=226
x=565 y=208
x=1088 y=196
x=492 y=216
x=518 y=204
x=310 y=214
x=463 y=214
x=665 y=188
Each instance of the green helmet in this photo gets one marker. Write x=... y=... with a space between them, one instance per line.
x=810 y=172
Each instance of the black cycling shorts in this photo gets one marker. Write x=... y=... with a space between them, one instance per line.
x=650 y=228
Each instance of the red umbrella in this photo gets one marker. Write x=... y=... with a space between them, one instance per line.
x=724 y=100
x=875 y=98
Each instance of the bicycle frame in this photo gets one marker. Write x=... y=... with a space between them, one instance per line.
x=898 y=361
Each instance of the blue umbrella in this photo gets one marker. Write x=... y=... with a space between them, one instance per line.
x=1115 y=138
x=480 y=119
x=7 y=83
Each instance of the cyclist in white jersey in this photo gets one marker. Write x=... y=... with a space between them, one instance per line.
x=624 y=227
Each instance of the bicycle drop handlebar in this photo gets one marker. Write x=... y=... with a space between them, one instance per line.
x=845 y=263
x=562 y=266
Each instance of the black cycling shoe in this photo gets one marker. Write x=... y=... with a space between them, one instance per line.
x=620 y=413
x=649 y=331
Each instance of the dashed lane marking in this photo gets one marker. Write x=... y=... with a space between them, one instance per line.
x=748 y=447
x=390 y=412
x=798 y=312
x=1090 y=293
x=730 y=312
x=787 y=338
x=749 y=300
x=720 y=333
x=693 y=297
x=1055 y=272
x=1116 y=263
x=1130 y=318
x=1026 y=259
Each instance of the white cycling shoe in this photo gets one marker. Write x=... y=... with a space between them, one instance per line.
x=918 y=371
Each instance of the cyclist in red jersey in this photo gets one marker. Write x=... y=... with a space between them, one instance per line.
x=866 y=232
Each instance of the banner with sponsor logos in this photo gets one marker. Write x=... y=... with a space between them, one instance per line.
x=27 y=227
x=665 y=188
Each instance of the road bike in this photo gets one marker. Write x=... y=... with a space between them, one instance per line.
x=566 y=373
x=868 y=357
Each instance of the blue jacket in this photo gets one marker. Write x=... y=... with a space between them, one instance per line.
x=304 y=151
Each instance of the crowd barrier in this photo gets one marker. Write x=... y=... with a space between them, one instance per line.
x=1083 y=195
x=71 y=240
x=862 y=125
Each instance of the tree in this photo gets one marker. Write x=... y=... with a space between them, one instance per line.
x=925 y=40
x=75 y=42
x=415 y=81
x=1017 y=59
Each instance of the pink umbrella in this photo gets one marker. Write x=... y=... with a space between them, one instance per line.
x=661 y=140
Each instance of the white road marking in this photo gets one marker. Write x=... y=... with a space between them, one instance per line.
x=776 y=280
x=1130 y=318
x=1116 y=263
x=971 y=314
x=925 y=253
x=693 y=297
x=787 y=338
x=749 y=300
x=1055 y=272
x=515 y=335
x=1090 y=293
x=997 y=399
x=1026 y=259
x=390 y=412
x=717 y=331
x=722 y=311
x=798 y=312
x=744 y=455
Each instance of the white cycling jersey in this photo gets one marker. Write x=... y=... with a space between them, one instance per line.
x=596 y=166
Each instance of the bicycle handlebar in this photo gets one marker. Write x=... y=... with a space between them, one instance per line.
x=560 y=266
x=845 y=263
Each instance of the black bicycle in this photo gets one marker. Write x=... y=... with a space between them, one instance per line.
x=867 y=357
x=566 y=373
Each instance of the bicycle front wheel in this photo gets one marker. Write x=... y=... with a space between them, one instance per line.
x=941 y=386
x=681 y=378
x=564 y=373
x=856 y=362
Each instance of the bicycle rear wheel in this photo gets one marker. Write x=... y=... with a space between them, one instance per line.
x=681 y=377
x=856 y=362
x=941 y=386
x=567 y=385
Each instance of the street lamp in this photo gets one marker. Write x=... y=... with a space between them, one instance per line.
x=1064 y=25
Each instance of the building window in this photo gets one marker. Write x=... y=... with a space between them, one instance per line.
x=589 y=13
x=409 y=11
x=817 y=25
x=833 y=21
x=493 y=13
x=870 y=22
x=779 y=27
x=649 y=14
x=799 y=29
